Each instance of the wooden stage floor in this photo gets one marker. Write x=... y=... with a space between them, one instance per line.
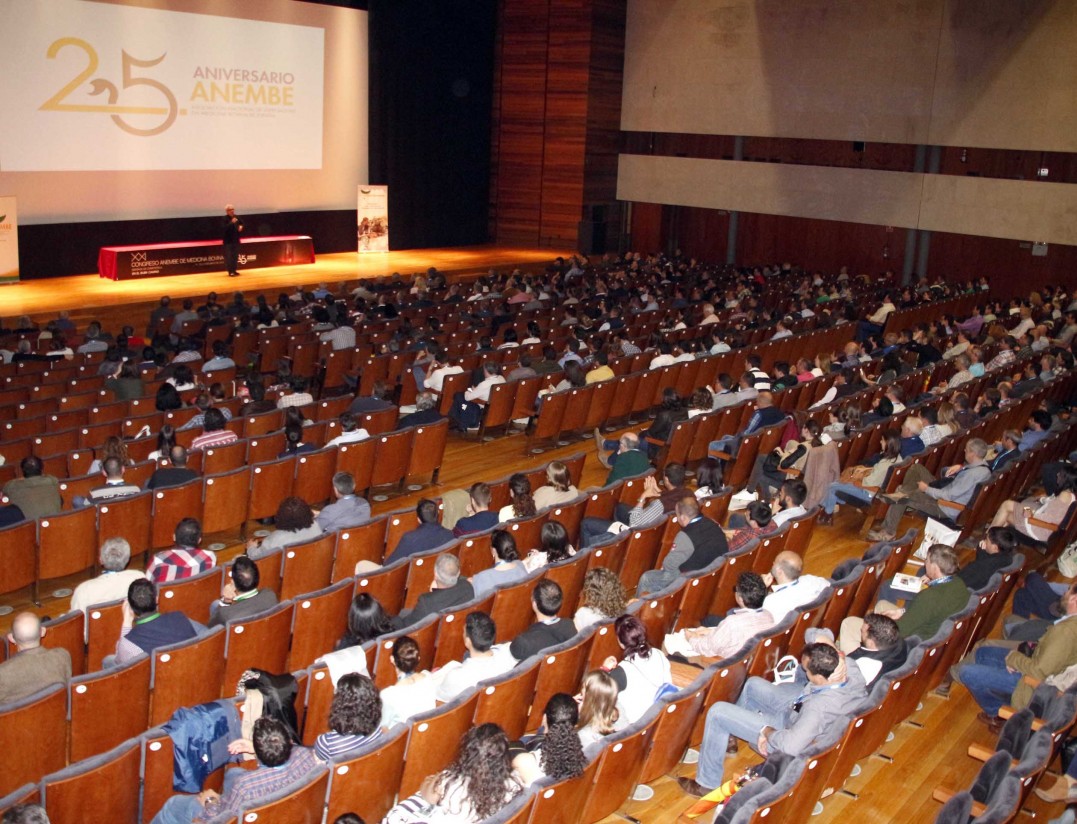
x=77 y=294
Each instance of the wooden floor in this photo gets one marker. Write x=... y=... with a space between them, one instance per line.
x=82 y=292
x=898 y=792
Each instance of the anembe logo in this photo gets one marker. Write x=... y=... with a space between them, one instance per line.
x=247 y=87
x=152 y=120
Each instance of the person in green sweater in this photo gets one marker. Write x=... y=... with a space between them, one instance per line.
x=630 y=460
x=944 y=595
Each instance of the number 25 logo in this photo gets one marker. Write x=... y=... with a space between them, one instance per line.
x=100 y=85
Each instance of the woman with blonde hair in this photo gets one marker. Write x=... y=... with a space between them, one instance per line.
x=603 y=598
x=558 y=488
x=598 y=707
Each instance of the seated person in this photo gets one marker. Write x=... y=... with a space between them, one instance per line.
x=959 y=484
x=994 y=673
x=789 y=588
x=603 y=598
x=426 y=412
x=759 y=524
x=35 y=494
x=881 y=649
x=554 y=547
x=350 y=431
x=766 y=414
x=414 y=691
x=145 y=629
x=448 y=590
x=558 y=488
x=548 y=630
x=863 y=482
x=642 y=673
x=294 y=525
x=944 y=595
x=32 y=667
x=185 y=559
x=507 y=568
x=174 y=475
x=483 y=660
x=240 y=595
x=557 y=753
x=656 y=500
x=479 y=518
x=347 y=509
x=776 y=718
x=110 y=585
x=734 y=630
x=354 y=719
x=428 y=535
x=281 y=764
x=1039 y=518
x=699 y=542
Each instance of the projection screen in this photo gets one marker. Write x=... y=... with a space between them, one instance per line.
x=155 y=109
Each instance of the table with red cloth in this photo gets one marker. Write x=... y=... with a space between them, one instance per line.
x=161 y=259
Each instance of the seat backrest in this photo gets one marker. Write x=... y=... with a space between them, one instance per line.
x=676 y=718
x=308 y=567
x=365 y=542
x=320 y=619
x=299 y=804
x=366 y=784
x=19 y=569
x=260 y=641
x=187 y=674
x=66 y=543
x=32 y=727
x=506 y=700
x=128 y=518
x=560 y=671
x=170 y=506
x=68 y=631
x=106 y=784
x=621 y=764
x=433 y=738
x=97 y=722
x=192 y=596
x=103 y=623
x=562 y=802
x=225 y=500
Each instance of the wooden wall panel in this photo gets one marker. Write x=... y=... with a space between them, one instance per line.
x=646 y=228
x=702 y=233
x=1009 y=264
x=557 y=112
x=819 y=244
x=522 y=62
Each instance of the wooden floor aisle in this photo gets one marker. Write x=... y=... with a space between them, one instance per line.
x=898 y=792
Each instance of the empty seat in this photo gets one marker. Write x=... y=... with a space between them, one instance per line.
x=109 y=707
x=367 y=783
x=102 y=788
x=33 y=727
x=187 y=674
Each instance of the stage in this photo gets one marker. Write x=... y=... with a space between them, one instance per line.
x=84 y=295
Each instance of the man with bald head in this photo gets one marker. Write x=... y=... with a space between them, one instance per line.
x=789 y=588
x=34 y=667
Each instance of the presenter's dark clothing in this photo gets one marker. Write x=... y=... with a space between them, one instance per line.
x=230 y=237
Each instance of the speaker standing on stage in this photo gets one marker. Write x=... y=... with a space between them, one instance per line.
x=233 y=227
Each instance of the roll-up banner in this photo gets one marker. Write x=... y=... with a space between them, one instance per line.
x=373 y=218
x=9 y=241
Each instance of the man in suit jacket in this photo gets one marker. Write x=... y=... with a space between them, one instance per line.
x=173 y=475
x=33 y=667
x=447 y=591
x=548 y=630
x=428 y=535
x=240 y=596
x=347 y=510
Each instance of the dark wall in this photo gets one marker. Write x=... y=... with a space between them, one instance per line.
x=431 y=76
x=50 y=250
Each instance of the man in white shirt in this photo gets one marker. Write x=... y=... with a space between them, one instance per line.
x=350 y=431
x=790 y=503
x=874 y=323
x=789 y=589
x=484 y=659
x=467 y=407
x=782 y=331
x=112 y=584
x=709 y=315
x=664 y=357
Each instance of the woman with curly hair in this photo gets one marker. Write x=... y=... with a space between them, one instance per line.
x=603 y=598
x=555 y=547
x=558 y=753
x=354 y=718
x=522 y=504
x=644 y=672
x=295 y=524
x=558 y=488
x=473 y=787
x=366 y=621
x=113 y=447
x=599 y=715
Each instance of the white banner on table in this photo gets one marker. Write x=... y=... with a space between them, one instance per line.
x=9 y=240
x=373 y=217
x=102 y=87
